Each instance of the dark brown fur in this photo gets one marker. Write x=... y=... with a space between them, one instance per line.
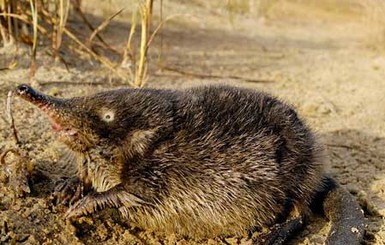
x=201 y=162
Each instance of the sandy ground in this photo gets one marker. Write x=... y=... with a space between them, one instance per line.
x=327 y=59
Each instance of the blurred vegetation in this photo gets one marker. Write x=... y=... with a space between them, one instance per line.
x=36 y=21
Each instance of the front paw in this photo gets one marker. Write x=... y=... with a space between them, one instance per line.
x=76 y=209
x=68 y=191
x=86 y=205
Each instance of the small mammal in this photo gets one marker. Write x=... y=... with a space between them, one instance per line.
x=201 y=162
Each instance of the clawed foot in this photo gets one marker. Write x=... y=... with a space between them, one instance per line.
x=68 y=191
x=86 y=205
x=94 y=201
x=280 y=233
x=115 y=197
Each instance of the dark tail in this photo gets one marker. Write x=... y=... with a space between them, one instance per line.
x=344 y=213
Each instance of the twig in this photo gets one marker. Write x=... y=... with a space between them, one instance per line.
x=102 y=26
x=10 y=118
x=25 y=20
x=10 y=28
x=200 y=75
x=128 y=51
x=145 y=16
x=34 y=44
x=104 y=60
x=58 y=26
x=159 y=28
x=4 y=35
x=161 y=33
x=76 y=5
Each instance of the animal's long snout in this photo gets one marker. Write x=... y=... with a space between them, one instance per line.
x=28 y=93
x=43 y=101
x=25 y=89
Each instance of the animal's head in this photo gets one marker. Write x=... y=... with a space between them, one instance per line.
x=84 y=122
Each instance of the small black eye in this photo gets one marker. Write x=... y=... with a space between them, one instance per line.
x=107 y=117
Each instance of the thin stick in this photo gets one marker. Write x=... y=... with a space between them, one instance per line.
x=143 y=51
x=102 y=26
x=15 y=21
x=161 y=33
x=25 y=20
x=128 y=51
x=159 y=28
x=55 y=31
x=34 y=45
x=20 y=17
x=63 y=19
x=149 y=4
x=3 y=34
x=10 y=118
x=76 y=5
x=145 y=15
x=105 y=61
x=10 y=29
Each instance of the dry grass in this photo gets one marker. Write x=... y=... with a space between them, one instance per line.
x=32 y=21
x=35 y=21
x=28 y=21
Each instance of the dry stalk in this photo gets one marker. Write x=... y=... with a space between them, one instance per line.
x=63 y=19
x=10 y=118
x=145 y=15
x=40 y=11
x=102 y=26
x=159 y=28
x=34 y=43
x=15 y=21
x=161 y=33
x=76 y=5
x=60 y=21
x=4 y=35
x=24 y=19
x=5 y=29
x=104 y=60
x=9 y=20
x=128 y=53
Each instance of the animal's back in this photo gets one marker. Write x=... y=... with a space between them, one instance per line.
x=237 y=159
